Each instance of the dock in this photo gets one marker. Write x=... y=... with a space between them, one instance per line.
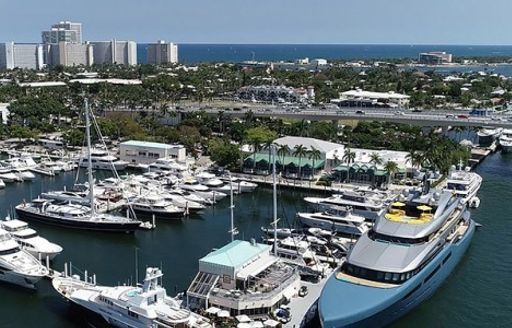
x=303 y=309
x=478 y=154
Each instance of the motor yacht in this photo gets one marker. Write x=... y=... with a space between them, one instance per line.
x=181 y=201
x=368 y=204
x=30 y=241
x=17 y=266
x=506 y=141
x=102 y=160
x=156 y=205
x=129 y=306
x=193 y=186
x=336 y=218
x=464 y=184
x=167 y=165
x=487 y=135
x=392 y=268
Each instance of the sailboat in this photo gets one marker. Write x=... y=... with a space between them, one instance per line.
x=77 y=215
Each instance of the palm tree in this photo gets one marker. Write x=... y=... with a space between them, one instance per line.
x=391 y=168
x=282 y=152
x=349 y=157
x=300 y=151
x=268 y=145
x=375 y=159
x=314 y=154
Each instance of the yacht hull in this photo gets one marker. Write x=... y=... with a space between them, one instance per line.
x=85 y=225
x=14 y=278
x=344 y=304
x=158 y=215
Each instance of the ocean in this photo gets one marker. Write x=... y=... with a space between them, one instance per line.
x=198 y=53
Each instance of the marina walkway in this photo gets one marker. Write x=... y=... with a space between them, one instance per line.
x=300 y=306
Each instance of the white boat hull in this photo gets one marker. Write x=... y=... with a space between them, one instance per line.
x=14 y=278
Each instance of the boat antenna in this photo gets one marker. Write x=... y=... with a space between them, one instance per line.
x=274 y=196
x=89 y=159
x=233 y=230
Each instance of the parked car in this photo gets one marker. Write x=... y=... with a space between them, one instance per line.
x=303 y=291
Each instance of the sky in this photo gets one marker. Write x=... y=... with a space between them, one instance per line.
x=267 y=21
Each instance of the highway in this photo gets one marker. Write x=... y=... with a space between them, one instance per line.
x=406 y=116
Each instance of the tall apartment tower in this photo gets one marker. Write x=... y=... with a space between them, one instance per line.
x=162 y=53
x=69 y=54
x=115 y=52
x=21 y=55
x=63 y=31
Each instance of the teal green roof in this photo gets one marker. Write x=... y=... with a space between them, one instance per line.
x=235 y=254
x=319 y=163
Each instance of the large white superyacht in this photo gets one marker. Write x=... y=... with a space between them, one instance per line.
x=464 y=184
x=129 y=306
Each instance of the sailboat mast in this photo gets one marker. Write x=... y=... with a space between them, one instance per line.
x=232 y=208
x=89 y=159
x=274 y=196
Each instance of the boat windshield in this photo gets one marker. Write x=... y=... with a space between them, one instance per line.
x=374 y=275
x=375 y=236
x=10 y=251
x=32 y=235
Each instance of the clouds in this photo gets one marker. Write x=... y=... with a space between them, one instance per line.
x=267 y=21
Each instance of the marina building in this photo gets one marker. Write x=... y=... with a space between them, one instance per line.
x=144 y=152
x=243 y=278
x=362 y=98
x=435 y=58
x=64 y=31
x=115 y=52
x=321 y=157
x=162 y=53
x=4 y=112
x=21 y=55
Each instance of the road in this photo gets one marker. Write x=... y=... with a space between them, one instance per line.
x=406 y=116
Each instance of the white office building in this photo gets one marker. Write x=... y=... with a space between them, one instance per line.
x=162 y=53
x=115 y=52
x=143 y=152
x=21 y=55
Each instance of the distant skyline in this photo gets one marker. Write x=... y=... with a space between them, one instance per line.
x=462 y=22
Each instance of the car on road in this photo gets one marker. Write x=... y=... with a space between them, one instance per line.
x=399 y=112
x=340 y=112
x=462 y=116
x=417 y=110
x=360 y=112
x=450 y=116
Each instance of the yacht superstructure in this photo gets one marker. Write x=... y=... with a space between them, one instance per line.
x=30 y=241
x=337 y=219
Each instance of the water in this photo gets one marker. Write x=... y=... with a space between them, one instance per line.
x=476 y=295
x=196 y=53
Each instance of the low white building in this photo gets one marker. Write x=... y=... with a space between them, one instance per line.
x=144 y=152
x=370 y=98
x=4 y=112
